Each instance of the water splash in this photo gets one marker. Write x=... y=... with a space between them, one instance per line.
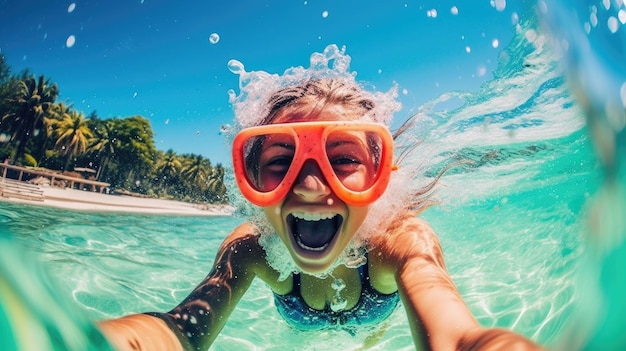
x=256 y=87
x=33 y=315
x=592 y=41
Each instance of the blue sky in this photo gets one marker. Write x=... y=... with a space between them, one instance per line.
x=154 y=58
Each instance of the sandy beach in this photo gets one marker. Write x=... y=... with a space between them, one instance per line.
x=83 y=200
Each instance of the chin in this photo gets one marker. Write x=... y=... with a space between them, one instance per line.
x=317 y=262
x=315 y=267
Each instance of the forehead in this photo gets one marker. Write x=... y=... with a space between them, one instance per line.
x=310 y=113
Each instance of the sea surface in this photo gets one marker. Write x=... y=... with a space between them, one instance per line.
x=511 y=220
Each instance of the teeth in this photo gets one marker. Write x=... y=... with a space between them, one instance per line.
x=321 y=248
x=315 y=216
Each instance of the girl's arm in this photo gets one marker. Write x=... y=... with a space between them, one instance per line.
x=197 y=320
x=439 y=318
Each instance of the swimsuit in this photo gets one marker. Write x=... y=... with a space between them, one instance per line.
x=372 y=308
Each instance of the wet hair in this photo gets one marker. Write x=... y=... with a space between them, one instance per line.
x=321 y=93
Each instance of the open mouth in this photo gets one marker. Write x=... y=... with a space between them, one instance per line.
x=314 y=231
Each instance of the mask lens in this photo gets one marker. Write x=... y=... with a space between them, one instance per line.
x=355 y=157
x=267 y=158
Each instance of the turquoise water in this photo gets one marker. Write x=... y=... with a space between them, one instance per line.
x=511 y=240
x=510 y=222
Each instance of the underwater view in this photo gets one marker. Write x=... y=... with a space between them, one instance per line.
x=530 y=217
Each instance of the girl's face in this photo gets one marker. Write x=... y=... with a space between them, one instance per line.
x=314 y=224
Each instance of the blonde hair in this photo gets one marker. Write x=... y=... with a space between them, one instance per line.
x=320 y=93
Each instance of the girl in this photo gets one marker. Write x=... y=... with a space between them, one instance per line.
x=315 y=163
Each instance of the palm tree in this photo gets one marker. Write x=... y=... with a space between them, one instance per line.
x=195 y=174
x=30 y=104
x=198 y=170
x=104 y=143
x=43 y=152
x=215 y=185
x=167 y=167
x=72 y=135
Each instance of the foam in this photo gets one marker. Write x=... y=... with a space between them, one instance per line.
x=256 y=87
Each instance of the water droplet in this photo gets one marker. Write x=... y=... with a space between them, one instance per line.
x=214 y=38
x=613 y=24
x=71 y=40
x=235 y=66
x=531 y=35
x=338 y=285
x=338 y=303
x=622 y=16
x=481 y=70
x=500 y=5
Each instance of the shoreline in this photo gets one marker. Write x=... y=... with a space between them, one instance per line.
x=83 y=200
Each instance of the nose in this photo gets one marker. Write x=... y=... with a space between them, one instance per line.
x=310 y=184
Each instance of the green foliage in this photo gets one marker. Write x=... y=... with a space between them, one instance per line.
x=25 y=110
x=30 y=160
x=37 y=131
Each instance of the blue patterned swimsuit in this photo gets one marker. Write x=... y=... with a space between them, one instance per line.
x=372 y=307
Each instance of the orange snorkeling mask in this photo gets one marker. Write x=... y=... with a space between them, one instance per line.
x=355 y=158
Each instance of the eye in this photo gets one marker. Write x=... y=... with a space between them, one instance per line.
x=345 y=163
x=278 y=164
x=276 y=157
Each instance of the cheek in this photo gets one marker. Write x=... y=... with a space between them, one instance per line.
x=356 y=218
x=269 y=181
x=273 y=215
x=358 y=180
x=355 y=182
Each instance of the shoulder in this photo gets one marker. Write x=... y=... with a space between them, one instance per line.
x=241 y=248
x=406 y=242
x=407 y=239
